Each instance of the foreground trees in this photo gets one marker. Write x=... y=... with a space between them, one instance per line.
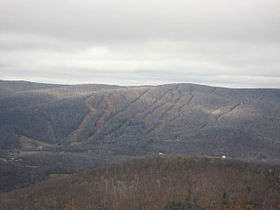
x=162 y=183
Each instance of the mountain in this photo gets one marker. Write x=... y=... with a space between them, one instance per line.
x=169 y=183
x=48 y=128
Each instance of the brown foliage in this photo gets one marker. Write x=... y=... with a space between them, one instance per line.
x=157 y=184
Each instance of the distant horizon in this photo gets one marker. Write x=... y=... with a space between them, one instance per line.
x=131 y=85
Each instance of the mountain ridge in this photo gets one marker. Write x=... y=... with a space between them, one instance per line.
x=81 y=125
x=108 y=104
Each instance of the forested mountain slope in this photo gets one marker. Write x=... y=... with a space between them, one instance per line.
x=177 y=118
x=50 y=127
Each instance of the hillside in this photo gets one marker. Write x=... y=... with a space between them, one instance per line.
x=156 y=184
x=51 y=127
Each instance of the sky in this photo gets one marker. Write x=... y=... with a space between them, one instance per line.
x=130 y=42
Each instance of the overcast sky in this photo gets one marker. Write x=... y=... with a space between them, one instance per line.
x=234 y=43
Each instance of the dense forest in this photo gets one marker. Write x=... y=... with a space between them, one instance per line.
x=171 y=183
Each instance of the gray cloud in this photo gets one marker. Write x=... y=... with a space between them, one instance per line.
x=218 y=42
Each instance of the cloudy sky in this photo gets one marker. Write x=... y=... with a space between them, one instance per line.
x=218 y=42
